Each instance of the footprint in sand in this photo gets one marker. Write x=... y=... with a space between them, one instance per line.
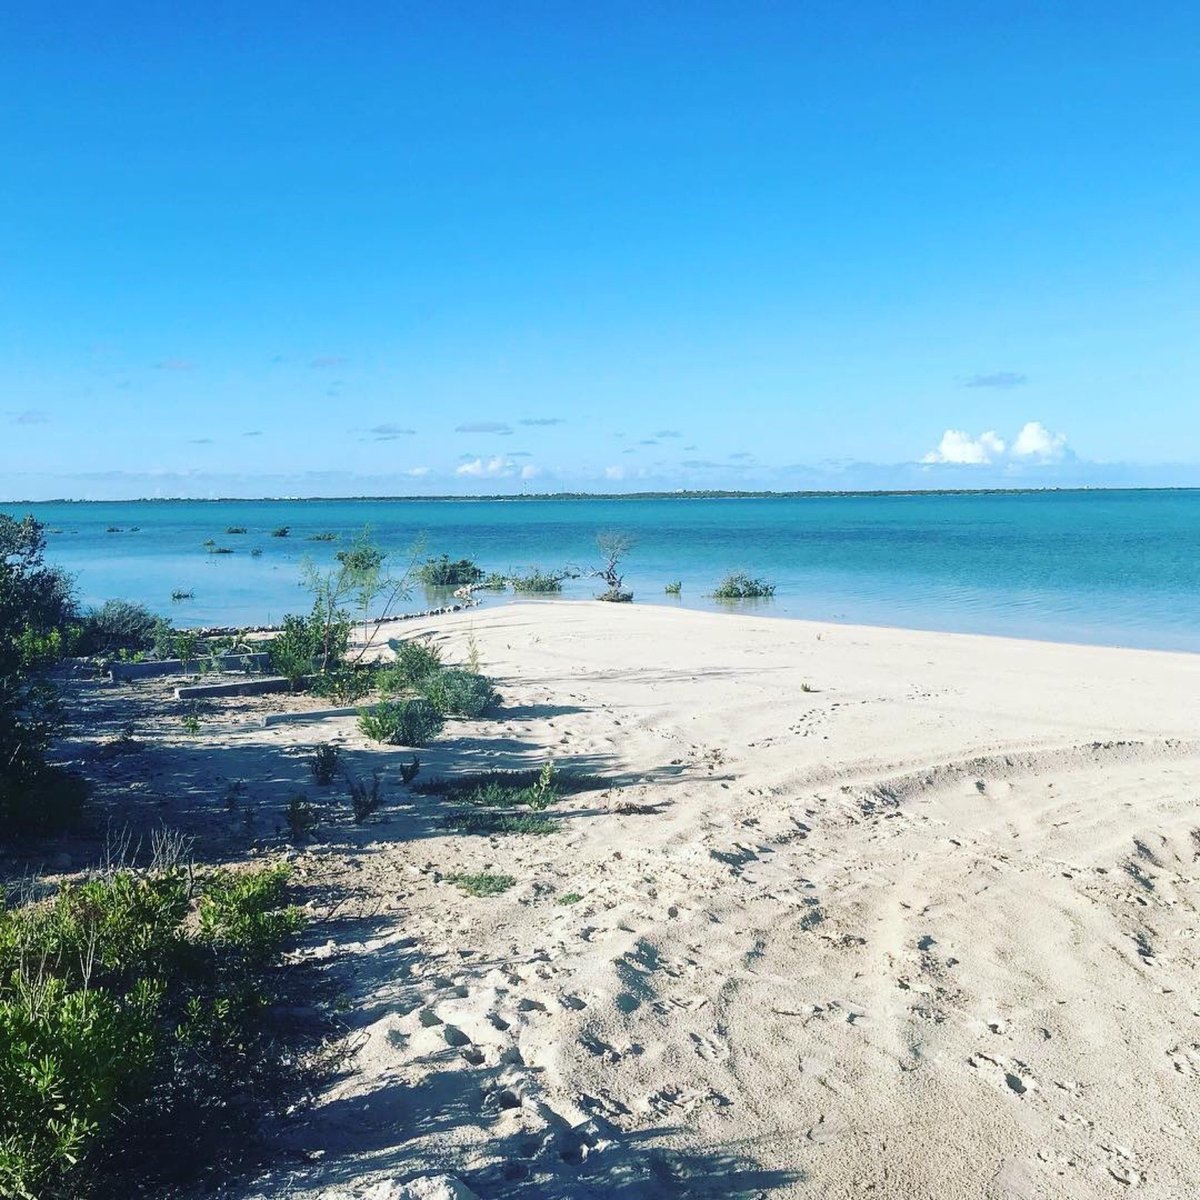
x=710 y=1047
x=1010 y=1074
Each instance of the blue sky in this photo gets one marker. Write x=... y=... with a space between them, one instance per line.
x=316 y=249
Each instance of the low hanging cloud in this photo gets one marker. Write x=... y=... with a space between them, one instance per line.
x=30 y=416
x=997 y=379
x=501 y=427
x=668 y=433
x=1034 y=443
x=959 y=447
x=499 y=466
x=544 y=421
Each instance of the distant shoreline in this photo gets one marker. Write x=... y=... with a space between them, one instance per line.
x=691 y=494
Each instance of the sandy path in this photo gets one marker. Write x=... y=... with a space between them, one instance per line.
x=929 y=929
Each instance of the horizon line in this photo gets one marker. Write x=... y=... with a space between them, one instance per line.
x=678 y=494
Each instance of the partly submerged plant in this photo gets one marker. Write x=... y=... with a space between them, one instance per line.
x=743 y=587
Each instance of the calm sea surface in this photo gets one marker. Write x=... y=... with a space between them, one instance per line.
x=1116 y=567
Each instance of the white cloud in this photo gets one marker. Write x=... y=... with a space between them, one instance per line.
x=1037 y=442
x=614 y=473
x=496 y=467
x=417 y=472
x=529 y=471
x=1033 y=444
x=959 y=447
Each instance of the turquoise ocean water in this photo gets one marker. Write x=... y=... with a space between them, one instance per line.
x=1109 y=567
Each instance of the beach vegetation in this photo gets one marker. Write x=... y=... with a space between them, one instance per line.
x=458 y=693
x=180 y=594
x=114 y=529
x=324 y=763
x=365 y=798
x=301 y=817
x=569 y=898
x=413 y=722
x=486 y=822
x=442 y=572
x=510 y=788
x=494 y=581
x=482 y=883
x=539 y=582
x=674 y=588
x=345 y=684
x=256 y=552
x=316 y=643
x=137 y=1038
x=220 y=549
x=282 y=531
x=743 y=587
x=118 y=625
x=190 y=723
x=208 y=542
x=409 y=770
x=235 y=529
x=415 y=660
x=363 y=585
x=322 y=537
x=613 y=547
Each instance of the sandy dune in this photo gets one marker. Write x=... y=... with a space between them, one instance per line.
x=927 y=930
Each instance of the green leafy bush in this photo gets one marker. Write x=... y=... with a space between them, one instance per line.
x=401 y=722
x=282 y=531
x=743 y=587
x=483 y=883
x=118 y=625
x=493 y=582
x=441 y=572
x=415 y=661
x=37 y=625
x=458 y=693
x=673 y=589
x=537 y=582
x=301 y=817
x=235 y=529
x=317 y=643
x=132 y=1035
x=325 y=762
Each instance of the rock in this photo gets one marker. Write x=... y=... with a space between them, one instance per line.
x=427 y=1187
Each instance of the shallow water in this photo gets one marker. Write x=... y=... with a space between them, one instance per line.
x=1111 y=567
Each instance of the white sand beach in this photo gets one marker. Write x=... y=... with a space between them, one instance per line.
x=928 y=929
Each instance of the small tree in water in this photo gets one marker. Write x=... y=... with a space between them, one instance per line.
x=614 y=546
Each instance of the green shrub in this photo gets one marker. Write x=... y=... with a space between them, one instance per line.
x=235 y=529
x=301 y=817
x=485 y=822
x=743 y=587
x=345 y=684
x=220 y=549
x=401 y=722
x=493 y=582
x=483 y=883
x=282 y=531
x=537 y=582
x=317 y=642
x=415 y=660
x=325 y=762
x=363 y=799
x=118 y=625
x=179 y=595
x=441 y=572
x=458 y=693
x=518 y=786
x=408 y=770
x=673 y=589
x=322 y=537
x=131 y=1035
x=569 y=898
